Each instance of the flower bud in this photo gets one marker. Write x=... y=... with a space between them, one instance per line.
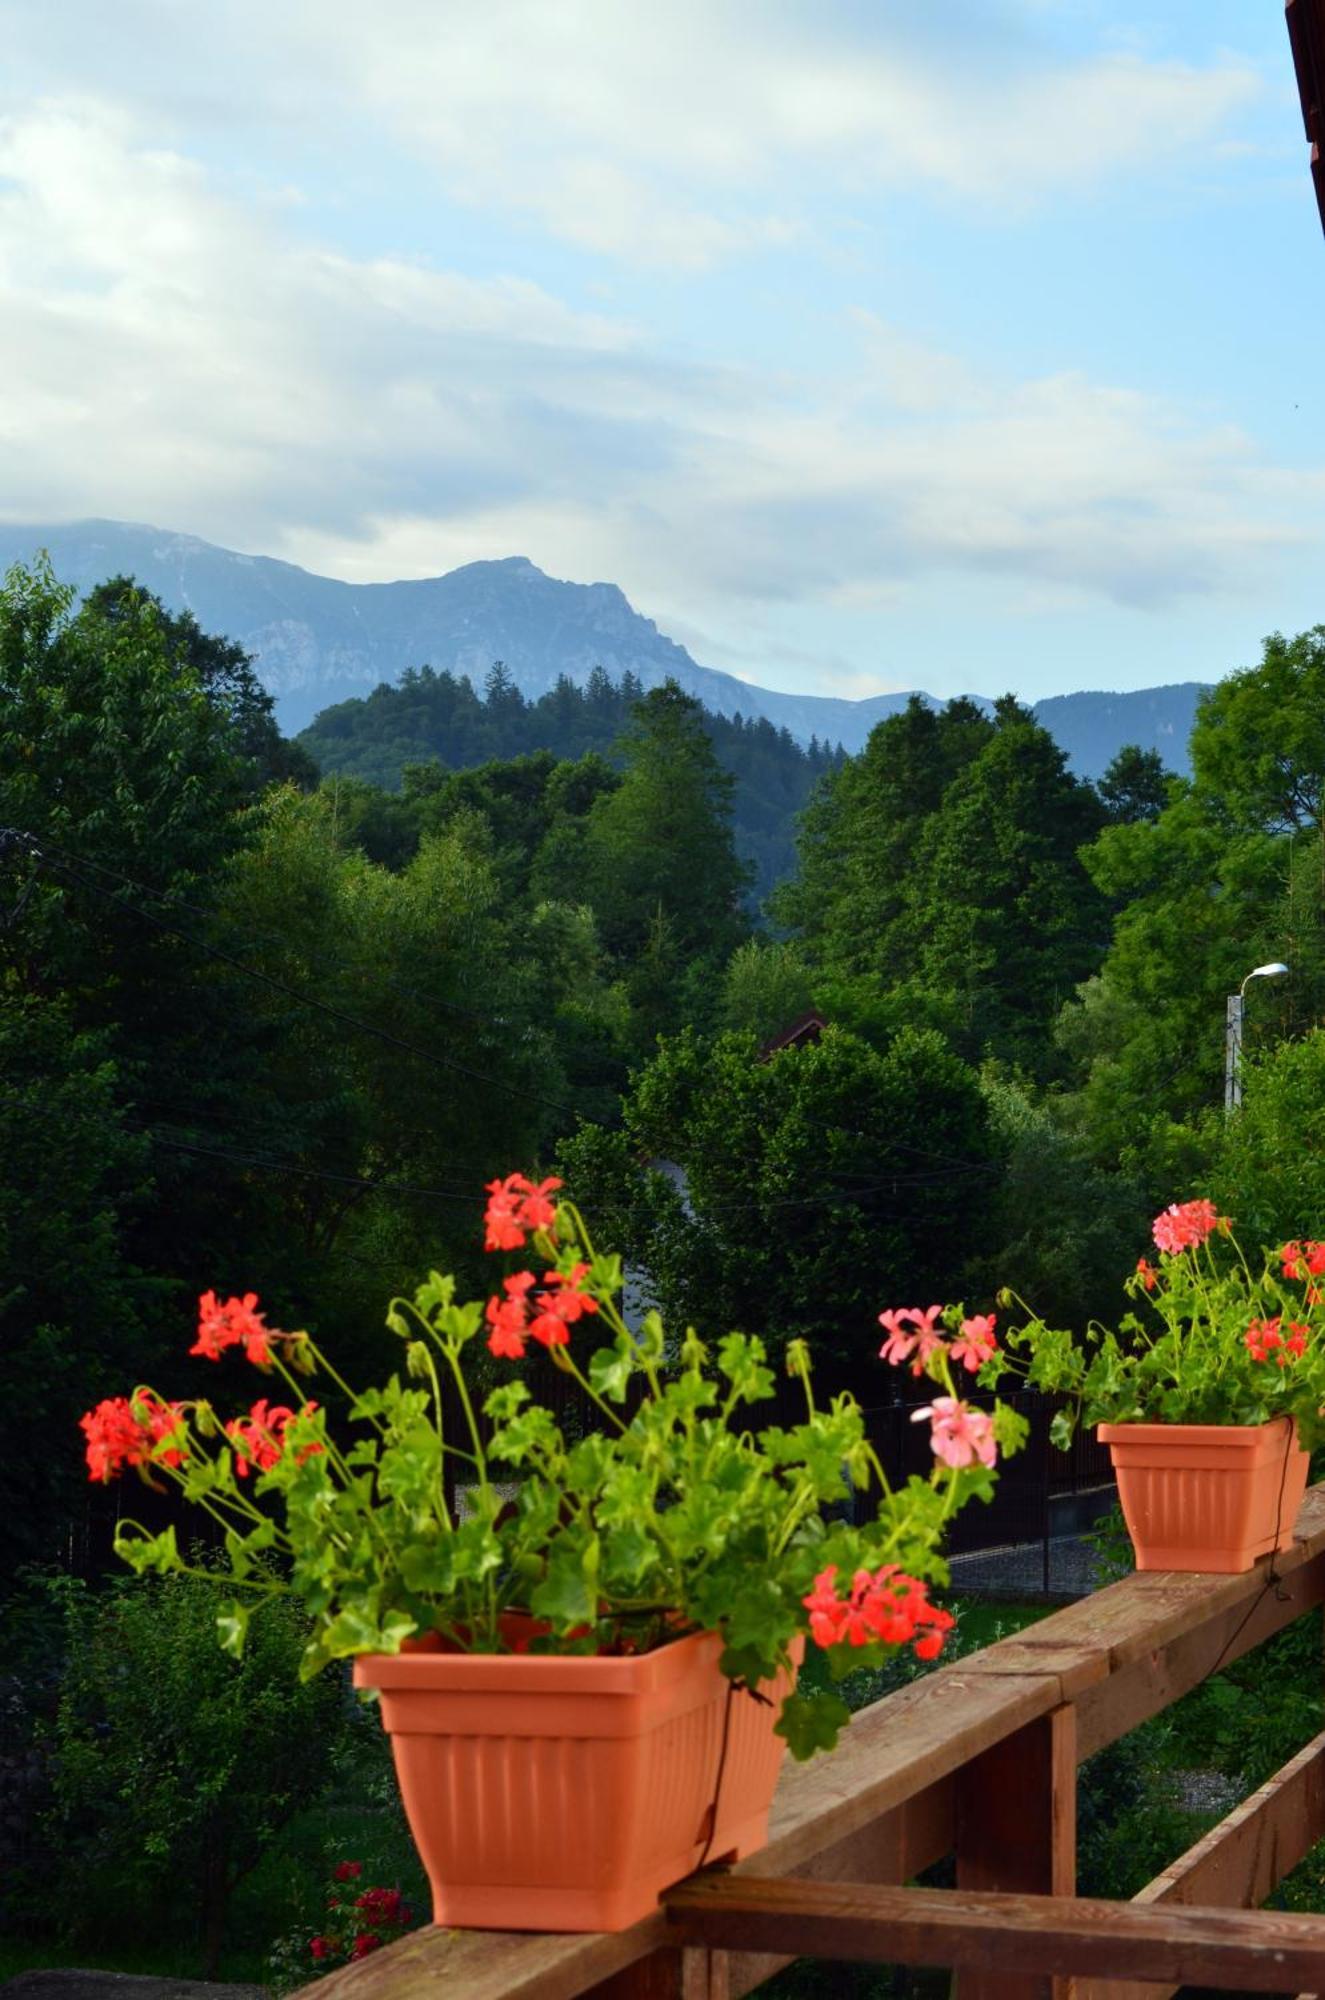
x=417 y=1359
x=398 y=1323
x=299 y=1354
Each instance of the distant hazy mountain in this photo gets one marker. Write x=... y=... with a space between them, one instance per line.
x=317 y=641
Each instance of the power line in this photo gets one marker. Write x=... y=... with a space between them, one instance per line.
x=173 y=902
x=311 y=1173
x=71 y=867
x=255 y=1160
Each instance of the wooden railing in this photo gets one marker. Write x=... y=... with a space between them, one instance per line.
x=977 y=1760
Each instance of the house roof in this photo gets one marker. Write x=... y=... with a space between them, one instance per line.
x=807 y=1029
x=1306 y=33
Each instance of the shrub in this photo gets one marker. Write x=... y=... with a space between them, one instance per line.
x=174 y=1768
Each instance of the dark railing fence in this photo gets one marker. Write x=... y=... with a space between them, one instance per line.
x=1034 y=1490
x=1033 y=1495
x=1033 y=1498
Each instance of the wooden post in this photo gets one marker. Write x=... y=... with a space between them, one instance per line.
x=1017 y=1832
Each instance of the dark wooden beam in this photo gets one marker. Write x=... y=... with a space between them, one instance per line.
x=1306 y=35
x=1250 y=1951
x=1240 y=1861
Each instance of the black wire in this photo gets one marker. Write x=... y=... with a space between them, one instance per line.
x=444 y=1063
x=404 y=1188
x=174 y=902
x=255 y=1160
x=1273 y=1579
x=717 y=1782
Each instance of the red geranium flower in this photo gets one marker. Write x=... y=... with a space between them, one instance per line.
x=221 y=1326
x=889 y=1606
x=507 y=1317
x=259 y=1442
x=559 y=1309
x=516 y=1206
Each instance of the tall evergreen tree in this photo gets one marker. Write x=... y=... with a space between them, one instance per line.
x=660 y=845
x=860 y=833
x=1000 y=912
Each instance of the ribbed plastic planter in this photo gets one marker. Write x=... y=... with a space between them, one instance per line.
x=1207 y=1496
x=564 y=1794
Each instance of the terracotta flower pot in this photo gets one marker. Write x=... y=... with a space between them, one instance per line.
x=564 y=1794
x=1207 y=1496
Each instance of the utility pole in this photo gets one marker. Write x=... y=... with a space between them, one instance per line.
x=1233 y=1056
x=1233 y=1035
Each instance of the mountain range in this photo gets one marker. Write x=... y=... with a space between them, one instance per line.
x=317 y=640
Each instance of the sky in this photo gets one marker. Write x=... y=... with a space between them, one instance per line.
x=866 y=344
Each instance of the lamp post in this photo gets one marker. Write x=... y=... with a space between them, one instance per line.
x=1233 y=1035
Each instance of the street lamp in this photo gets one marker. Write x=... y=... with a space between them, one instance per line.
x=1233 y=1035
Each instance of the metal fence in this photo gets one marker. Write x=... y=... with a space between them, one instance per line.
x=1035 y=1498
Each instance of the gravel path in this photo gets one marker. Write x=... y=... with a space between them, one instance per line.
x=1019 y=1570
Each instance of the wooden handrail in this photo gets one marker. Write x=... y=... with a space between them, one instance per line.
x=1025 y=1936
x=976 y=1759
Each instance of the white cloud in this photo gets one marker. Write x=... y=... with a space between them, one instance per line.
x=676 y=136
x=683 y=134
x=187 y=360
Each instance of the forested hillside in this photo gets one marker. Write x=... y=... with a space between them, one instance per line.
x=438 y=717
x=266 y=1030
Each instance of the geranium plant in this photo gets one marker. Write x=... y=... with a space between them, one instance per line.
x=675 y=1514
x=358 y=1920
x=1215 y=1339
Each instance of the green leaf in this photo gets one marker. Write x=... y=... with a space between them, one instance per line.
x=149 y=1552
x=1011 y=1429
x=435 y=1294
x=506 y=1402
x=568 y=1594
x=741 y=1357
x=611 y=1368
x=232 y=1627
x=629 y=1553
x=811 y=1722
x=1062 y=1428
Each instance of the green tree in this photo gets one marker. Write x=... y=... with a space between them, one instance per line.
x=434 y=1071
x=1135 y=786
x=821 y=1186
x=659 y=859
x=176 y=1767
x=1268 y=1168
x=122 y=788
x=765 y=988
x=1001 y=915
x=860 y=832
x=222 y=670
x=73 y=1307
x=1064 y=1231
x=1231 y=873
x=1258 y=743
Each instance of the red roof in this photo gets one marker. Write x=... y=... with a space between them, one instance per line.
x=1306 y=32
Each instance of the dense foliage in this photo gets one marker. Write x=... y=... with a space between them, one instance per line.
x=263 y=1028
x=174 y=1768
x=437 y=720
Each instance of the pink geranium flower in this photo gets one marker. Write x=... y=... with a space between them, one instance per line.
x=959 y=1435
x=1182 y=1225
x=975 y=1343
x=920 y=1341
